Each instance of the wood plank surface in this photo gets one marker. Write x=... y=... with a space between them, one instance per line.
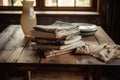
x=17 y=49
x=102 y=36
x=8 y=48
x=29 y=55
x=6 y=35
x=60 y=59
x=19 y=42
x=13 y=48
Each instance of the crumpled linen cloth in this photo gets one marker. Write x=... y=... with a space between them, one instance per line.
x=104 y=52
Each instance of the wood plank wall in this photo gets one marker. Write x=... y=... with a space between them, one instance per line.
x=113 y=20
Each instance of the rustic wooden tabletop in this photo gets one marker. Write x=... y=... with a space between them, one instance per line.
x=16 y=53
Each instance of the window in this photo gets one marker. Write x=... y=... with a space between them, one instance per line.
x=64 y=3
x=52 y=5
x=79 y=5
x=12 y=2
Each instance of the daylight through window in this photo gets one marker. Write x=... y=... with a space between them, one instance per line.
x=52 y=5
x=65 y=3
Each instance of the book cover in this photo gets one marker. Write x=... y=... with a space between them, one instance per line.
x=58 y=34
x=55 y=27
x=57 y=47
x=68 y=40
x=49 y=38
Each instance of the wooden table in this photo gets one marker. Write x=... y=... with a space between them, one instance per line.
x=16 y=54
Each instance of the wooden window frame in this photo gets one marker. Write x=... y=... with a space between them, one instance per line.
x=42 y=7
x=19 y=8
x=92 y=8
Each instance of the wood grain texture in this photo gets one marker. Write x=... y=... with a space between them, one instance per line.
x=6 y=35
x=60 y=59
x=29 y=55
x=13 y=48
x=51 y=75
x=102 y=36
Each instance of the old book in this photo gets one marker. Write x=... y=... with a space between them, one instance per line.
x=47 y=38
x=69 y=39
x=56 y=47
x=55 y=27
x=51 y=53
x=57 y=34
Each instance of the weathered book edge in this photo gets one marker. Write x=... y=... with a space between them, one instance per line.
x=57 y=42
x=54 y=35
x=57 y=47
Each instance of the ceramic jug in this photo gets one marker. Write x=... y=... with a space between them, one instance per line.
x=28 y=18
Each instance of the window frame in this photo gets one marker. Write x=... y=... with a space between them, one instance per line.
x=18 y=8
x=42 y=7
x=92 y=8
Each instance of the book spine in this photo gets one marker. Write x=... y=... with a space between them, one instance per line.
x=43 y=46
x=44 y=30
x=58 y=47
x=47 y=38
x=57 y=42
x=57 y=35
x=54 y=42
x=53 y=28
x=42 y=34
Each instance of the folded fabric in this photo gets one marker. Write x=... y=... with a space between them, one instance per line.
x=86 y=49
x=103 y=52
x=108 y=52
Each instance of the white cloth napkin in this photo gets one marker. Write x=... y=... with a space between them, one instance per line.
x=103 y=52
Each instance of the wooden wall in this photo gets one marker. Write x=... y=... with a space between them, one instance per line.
x=113 y=20
x=48 y=19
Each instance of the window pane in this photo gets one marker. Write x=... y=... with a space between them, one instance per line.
x=83 y=3
x=6 y=3
x=14 y=2
x=19 y=2
x=66 y=3
x=50 y=3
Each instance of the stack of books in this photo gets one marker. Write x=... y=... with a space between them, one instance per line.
x=58 y=38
